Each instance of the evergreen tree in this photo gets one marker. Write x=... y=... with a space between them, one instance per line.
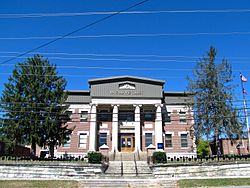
x=213 y=109
x=33 y=101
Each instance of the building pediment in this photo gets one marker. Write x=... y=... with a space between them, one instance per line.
x=126 y=78
x=126 y=87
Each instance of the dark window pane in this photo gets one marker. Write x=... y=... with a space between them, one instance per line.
x=104 y=115
x=67 y=141
x=182 y=116
x=148 y=139
x=149 y=116
x=168 y=140
x=84 y=116
x=126 y=116
x=102 y=139
x=184 y=141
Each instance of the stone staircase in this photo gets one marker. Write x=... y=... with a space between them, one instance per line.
x=128 y=165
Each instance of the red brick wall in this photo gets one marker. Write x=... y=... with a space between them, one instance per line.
x=21 y=151
x=74 y=142
x=230 y=147
x=176 y=127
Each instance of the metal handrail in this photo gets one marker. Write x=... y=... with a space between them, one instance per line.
x=121 y=166
x=136 y=169
x=138 y=153
x=114 y=154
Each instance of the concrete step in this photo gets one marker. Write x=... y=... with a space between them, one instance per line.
x=130 y=156
x=128 y=183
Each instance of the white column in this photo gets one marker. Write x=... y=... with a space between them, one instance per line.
x=158 y=125
x=93 y=129
x=115 y=128
x=137 y=128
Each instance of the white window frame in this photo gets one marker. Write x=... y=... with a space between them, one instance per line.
x=186 y=140
x=172 y=134
x=182 y=116
x=82 y=144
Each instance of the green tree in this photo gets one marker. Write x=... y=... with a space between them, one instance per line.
x=213 y=109
x=33 y=101
x=203 y=148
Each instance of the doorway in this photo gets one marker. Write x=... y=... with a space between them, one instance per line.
x=127 y=142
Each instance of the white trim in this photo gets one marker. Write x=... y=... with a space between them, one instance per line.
x=144 y=132
x=83 y=132
x=104 y=131
x=79 y=106
x=168 y=132
x=182 y=132
x=127 y=131
x=171 y=108
x=126 y=101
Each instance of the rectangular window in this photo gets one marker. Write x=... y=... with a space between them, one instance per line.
x=82 y=140
x=84 y=116
x=102 y=139
x=66 y=143
x=184 y=140
x=148 y=139
x=182 y=116
x=149 y=115
x=126 y=116
x=168 y=140
x=104 y=115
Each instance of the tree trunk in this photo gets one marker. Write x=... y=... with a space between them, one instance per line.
x=51 y=150
x=33 y=149
x=217 y=143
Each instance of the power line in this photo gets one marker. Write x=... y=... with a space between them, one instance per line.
x=107 y=59
x=103 y=68
x=120 y=55
x=75 y=31
x=67 y=14
x=47 y=105
x=126 y=35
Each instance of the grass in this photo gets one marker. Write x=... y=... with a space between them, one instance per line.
x=214 y=182
x=38 y=184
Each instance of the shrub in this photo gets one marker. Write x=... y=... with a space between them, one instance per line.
x=203 y=148
x=94 y=157
x=159 y=157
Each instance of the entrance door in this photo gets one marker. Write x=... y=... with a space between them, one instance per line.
x=127 y=143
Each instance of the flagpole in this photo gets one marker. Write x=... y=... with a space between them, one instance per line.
x=245 y=110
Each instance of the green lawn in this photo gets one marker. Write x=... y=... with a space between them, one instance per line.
x=214 y=182
x=38 y=184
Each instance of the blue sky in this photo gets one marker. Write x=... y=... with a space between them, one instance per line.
x=186 y=34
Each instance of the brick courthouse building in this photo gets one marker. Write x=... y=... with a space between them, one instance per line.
x=128 y=114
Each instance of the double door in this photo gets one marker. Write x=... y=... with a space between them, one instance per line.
x=127 y=143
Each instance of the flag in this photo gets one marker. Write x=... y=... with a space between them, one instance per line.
x=244 y=91
x=243 y=78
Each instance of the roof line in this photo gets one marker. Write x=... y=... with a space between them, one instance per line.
x=124 y=77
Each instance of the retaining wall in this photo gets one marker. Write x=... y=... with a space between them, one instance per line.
x=41 y=171
x=216 y=170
